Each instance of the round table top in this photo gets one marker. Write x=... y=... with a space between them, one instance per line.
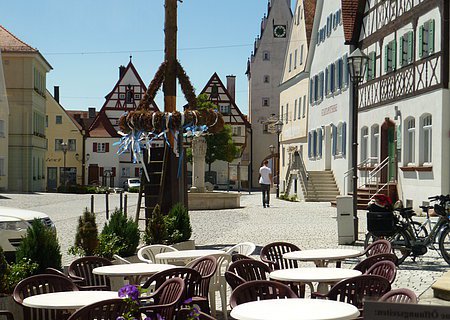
x=68 y=300
x=322 y=254
x=186 y=254
x=298 y=309
x=314 y=274
x=131 y=269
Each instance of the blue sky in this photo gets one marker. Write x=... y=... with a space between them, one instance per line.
x=86 y=41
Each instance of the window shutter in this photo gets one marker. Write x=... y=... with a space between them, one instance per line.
x=320 y=142
x=336 y=77
x=101 y=171
x=136 y=172
x=327 y=77
x=373 y=62
x=95 y=147
x=321 y=85
x=400 y=51
x=340 y=73
x=431 y=36
x=344 y=137
x=421 y=29
x=107 y=147
x=311 y=89
x=410 y=46
x=314 y=137
x=332 y=77
x=345 y=73
x=394 y=55
x=309 y=144
x=386 y=58
x=334 y=132
x=113 y=171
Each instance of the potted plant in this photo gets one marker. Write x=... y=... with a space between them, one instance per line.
x=86 y=238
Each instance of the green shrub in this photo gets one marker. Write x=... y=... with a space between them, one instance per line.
x=41 y=246
x=4 y=269
x=18 y=271
x=108 y=245
x=86 y=238
x=126 y=230
x=178 y=224
x=133 y=190
x=156 y=231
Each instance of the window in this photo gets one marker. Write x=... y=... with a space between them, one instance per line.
x=295 y=110
x=282 y=113
x=122 y=96
x=2 y=129
x=237 y=131
x=290 y=62
x=301 y=54
x=327 y=81
x=295 y=59
x=426 y=38
x=225 y=109
x=266 y=128
x=287 y=112
x=58 y=143
x=339 y=139
x=321 y=82
x=364 y=143
x=125 y=172
x=129 y=96
x=374 y=140
x=58 y=120
x=266 y=56
x=426 y=140
x=46 y=121
x=101 y=147
x=345 y=72
x=410 y=140
x=265 y=102
x=266 y=79
x=72 y=145
x=304 y=107
x=299 y=108
x=329 y=24
x=137 y=96
x=371 y=72
x=319 y=143
x=406 y=48
x=2 y=167
x=390 y=56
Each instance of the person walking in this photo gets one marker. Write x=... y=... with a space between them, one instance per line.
x=265 y=180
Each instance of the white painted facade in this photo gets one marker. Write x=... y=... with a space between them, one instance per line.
x=328 y=118
x=294 y=93
x=422 y=122
x=4 y=116
x=264 y=73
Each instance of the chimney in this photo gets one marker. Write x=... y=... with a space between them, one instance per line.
x=121 y=71
x=56 y=93
x=231 y=86
x=91 y=112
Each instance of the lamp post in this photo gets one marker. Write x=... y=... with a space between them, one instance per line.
x=278 y=129
x=64 y=148
x=83 y=159
x=272 y=152
x=357 y=62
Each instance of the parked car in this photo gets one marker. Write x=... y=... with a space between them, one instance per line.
x=14 y=223
x=131 y=183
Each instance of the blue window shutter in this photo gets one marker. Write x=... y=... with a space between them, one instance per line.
x=320 y=142
x=309 y=144
x=314 y=139
x=431 y=36
x=345 y=72
x=334 y=131
x=344 y=137
x=332 y=76
x=327 y=76
x=311 y=89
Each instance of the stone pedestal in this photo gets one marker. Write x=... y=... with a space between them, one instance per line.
x=198 y=164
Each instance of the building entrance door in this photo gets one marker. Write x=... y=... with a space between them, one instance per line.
x=93 y=174
x=328 y=146
x=52 y=178
x=388 y=149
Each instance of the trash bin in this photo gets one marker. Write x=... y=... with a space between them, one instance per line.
x=346 y=226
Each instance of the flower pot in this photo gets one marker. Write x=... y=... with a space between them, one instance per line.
x=185 y=245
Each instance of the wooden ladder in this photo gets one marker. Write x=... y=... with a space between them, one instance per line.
x=152 y=191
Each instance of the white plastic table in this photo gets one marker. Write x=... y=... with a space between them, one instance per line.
x=186 y=255
x=324 y=276
x=68 y=300
x=321 y=257
x=294 y=309
x=132 y=271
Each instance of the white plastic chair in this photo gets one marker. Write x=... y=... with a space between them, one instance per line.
x=148 y=253
x=245 y=248
x=218 y=283
x=120 y=259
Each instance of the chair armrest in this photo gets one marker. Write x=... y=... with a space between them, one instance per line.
x=272 y=264
x=94 y=288
x=315 y=295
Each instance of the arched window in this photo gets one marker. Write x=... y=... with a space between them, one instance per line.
x=364 y=143
x=410 y=141
x=374 y=141
x=426 y=139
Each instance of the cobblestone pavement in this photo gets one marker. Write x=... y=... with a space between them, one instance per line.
x=308 y=225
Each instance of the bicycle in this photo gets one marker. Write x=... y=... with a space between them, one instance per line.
x=409 y=237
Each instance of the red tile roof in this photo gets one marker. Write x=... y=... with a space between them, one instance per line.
x=352 y=12
x=10 y=43
x=309 y=11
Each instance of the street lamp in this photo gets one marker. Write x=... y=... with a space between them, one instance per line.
x=357 y=62
x=272 y=152
x=278 y=129
x=64 y=148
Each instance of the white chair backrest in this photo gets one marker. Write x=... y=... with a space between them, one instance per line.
x=148 y=253
x=223 y=261
x=120 y=260
x=245 y=248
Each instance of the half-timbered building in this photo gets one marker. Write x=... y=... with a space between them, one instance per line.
x=234 y=175
x=404 y=105
x=294 y=97
x=105 y=166
x=264 y=72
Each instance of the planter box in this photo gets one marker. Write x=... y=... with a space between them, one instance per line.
x=7 y=303
x=185 y=245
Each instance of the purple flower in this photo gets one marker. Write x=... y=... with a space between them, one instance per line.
x=129 y=291
x=187 y=301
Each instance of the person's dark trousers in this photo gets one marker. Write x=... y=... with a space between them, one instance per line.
x=265 y=188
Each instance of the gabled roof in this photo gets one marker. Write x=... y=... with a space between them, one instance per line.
x=215 y=79
x=309 y=13
x=102 y=127
x=352 y=15
x=80 y=117
x=10 y=43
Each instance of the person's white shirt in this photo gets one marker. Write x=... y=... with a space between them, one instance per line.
x=265 y=173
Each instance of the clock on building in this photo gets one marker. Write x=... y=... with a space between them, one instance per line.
x=279 y=31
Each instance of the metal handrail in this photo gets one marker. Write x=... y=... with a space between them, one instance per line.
x=362 y=164
x=304 y=175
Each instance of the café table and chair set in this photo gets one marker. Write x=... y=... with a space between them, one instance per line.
x=205 y=273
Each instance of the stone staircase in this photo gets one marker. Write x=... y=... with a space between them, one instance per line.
x=321 y=187
x=368 y=191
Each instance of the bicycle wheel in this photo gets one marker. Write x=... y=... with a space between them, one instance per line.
x=444 y=245
x=401 y=245
x=420 y=231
